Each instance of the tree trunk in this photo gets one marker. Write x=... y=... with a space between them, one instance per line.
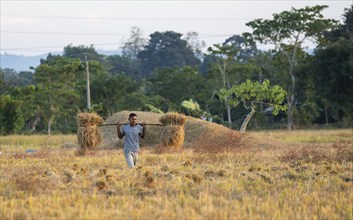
x=326 y=115
x=290 y=121
x=35 y=122
x=291 y=92
x=49 y=126
x=246 y=120
x=229 y=115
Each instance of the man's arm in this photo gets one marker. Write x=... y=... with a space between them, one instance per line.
x=118 y=131
x=142 y=135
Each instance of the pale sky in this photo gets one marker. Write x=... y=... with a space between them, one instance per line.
x=37 y=27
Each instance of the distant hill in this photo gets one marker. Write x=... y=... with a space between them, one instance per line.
x=23 y=63
x=20 y=62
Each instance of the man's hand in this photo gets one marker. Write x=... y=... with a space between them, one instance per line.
x=118 y=125
x=143 y=124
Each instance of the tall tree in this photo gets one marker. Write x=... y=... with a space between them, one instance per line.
x=135 y=43
x=166 y=49
x=288 y=31
x=108 y=90
x=176 y=85
x=195 y=44
x=332 y=68
x=56 y=80
x=233 y=65
x=127 y=65
x=11 y=120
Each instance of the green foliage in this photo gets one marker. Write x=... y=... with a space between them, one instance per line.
x=111 y=91
x=288 y=31
x=56 y=80
x=10 y=116
x=126 y=65
x=192 y=108
x=2 y=81
x=82 y=52
x=191 y=104
x=166 y=49
x=332 y=70
x=134 y=44
x=176 y=84
x=252 y=94
x=291 y=27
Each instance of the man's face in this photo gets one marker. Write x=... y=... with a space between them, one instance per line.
x=133 y=120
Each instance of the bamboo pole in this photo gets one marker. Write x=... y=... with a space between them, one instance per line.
x=128 y=123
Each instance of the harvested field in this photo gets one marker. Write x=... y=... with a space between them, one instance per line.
x=273 y=180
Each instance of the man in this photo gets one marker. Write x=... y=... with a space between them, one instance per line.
x=132 y=132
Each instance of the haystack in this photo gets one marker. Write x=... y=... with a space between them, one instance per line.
x=89 y=135
x=198 y=133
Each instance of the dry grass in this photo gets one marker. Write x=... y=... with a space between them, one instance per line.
x=344 y=151
x=308 y=154
x=245 y=182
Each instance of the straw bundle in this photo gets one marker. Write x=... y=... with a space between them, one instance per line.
x=173 y=135
x=173 y=118
x=89 y=119
x=89 y=135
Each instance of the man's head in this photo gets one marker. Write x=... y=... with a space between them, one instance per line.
x=133 y=119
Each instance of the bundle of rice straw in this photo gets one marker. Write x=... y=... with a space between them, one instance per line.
x=173 y=118
x=173 y=137
x=173 y=134
x=89 y=135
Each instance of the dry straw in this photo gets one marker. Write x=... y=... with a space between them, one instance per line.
x=173 y=118
x=89 y=135
x=173 y=135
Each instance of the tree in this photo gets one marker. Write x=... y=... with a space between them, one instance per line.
x=245 y=49
x=81 y=51
x=229 y=56
x=166 y=49
x=10 y=117
x=56 y=81
x=108 y=90
x=195 y=44
x=332 y=70
x=2 y=81
x=134 y=44
x=175 y=85
x=288 y=31
x=252 y=95
x=126 y=65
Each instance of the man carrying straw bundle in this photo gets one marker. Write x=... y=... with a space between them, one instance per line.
x=132 y=132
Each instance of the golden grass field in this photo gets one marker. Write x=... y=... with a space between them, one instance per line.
x=302 y=175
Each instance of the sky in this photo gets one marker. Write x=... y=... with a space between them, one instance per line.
x=41 y=26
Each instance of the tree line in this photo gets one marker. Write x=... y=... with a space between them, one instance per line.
x=284 y=86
